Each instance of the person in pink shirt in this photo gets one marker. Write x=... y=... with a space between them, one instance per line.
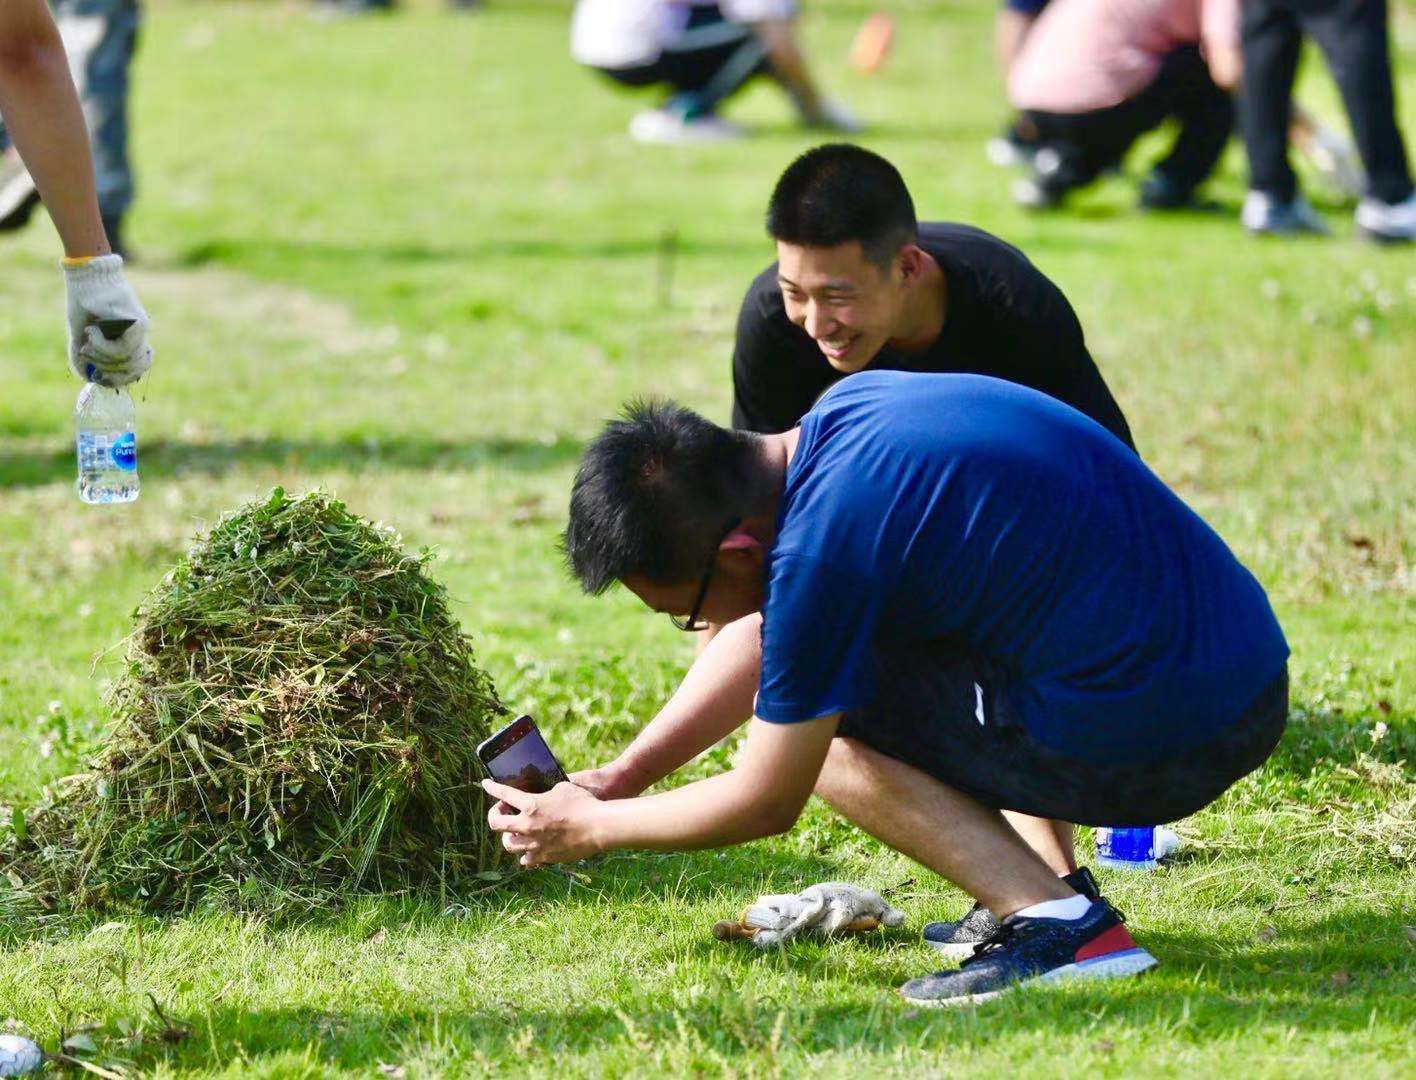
x=1094 y=75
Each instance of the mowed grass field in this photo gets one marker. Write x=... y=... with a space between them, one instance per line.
x=417 y=260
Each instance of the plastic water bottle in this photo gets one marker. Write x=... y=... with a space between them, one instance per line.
x=1134 y=849
x=105 y=436
x=107 y=446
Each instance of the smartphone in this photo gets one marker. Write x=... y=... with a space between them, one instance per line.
x=518 y=756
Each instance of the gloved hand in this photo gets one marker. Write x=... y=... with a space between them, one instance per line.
x=100 y=299
x=833 y=907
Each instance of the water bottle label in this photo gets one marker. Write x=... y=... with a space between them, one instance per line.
x=1126 y=845
x=94 y=452
x=125 y=452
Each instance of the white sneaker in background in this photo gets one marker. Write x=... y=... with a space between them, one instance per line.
x=1047 y=161
x=1005 y=153
x=662 y=128
x=1388 y=222
x=1265 y=215
x=1029 y=193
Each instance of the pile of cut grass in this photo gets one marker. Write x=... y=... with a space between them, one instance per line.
x=297 y=716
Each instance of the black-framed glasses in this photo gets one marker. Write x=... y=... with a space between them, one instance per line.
x=694 y=621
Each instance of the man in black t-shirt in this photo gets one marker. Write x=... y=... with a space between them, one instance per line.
x=858 y=283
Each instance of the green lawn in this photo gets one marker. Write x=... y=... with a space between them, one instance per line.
x=417 y=260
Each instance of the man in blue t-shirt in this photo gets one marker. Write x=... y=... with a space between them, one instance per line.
x=943 y=596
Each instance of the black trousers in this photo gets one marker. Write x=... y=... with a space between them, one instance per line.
x=1093 y=142
x=712 y=60
x=1353 y=37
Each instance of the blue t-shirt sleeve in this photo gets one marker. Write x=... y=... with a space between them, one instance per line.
x=818 y=628
x=1025 y=7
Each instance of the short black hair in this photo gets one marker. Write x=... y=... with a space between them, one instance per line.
x=838 y=193
x=653 y=494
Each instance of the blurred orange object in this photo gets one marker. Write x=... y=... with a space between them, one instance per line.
x=872 y=43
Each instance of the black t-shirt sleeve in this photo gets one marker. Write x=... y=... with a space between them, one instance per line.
x=1051 y=331
x=1088 y=392
x=776 y=379
x=1041 y=343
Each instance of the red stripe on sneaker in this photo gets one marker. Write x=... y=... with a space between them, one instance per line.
x=1117 y=939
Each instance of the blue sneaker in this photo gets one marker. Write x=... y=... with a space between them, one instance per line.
x=957 y=938
x=1024 y=950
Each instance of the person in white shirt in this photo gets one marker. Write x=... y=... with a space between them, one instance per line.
x=702 y=51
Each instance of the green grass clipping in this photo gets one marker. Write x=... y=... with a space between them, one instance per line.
x=296 y=718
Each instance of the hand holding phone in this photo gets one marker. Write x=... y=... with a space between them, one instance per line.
x=518 y=756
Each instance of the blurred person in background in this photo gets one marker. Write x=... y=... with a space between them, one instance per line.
x=1332 y=155
x=1011 y=27
x=41 y=107
x=100 y=37
x=1093 y=76
x=702 y=52
x=1353 y=37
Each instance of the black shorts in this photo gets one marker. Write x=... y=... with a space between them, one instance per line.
x=714 y=56
x=939 y=710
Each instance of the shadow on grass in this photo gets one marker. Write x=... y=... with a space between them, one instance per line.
x=176 y=458
x=968 y=134
x=1317 y=737
x=1330 y=979
x=610 y=883
x=240 y=250
x=733 y=877
x=1090 y=208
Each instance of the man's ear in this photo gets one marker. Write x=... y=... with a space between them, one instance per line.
x=741 y=544
x=911 y=261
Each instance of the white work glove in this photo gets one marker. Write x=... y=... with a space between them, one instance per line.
x=826 y=909
x=100 y=301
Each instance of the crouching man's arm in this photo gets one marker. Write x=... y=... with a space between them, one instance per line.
x=762 y=796
x=714 y=699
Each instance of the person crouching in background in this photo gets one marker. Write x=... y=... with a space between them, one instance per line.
x=1095 y=75
x=703 y=52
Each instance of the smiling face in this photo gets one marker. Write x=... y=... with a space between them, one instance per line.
x=847 y=304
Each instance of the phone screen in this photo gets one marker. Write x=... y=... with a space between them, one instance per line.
x=526 y=763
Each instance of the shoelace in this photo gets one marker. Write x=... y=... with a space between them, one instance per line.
x=1005 y=933
x=999 y=939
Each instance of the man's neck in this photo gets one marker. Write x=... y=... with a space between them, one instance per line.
x=926 y=309
x=776 y=455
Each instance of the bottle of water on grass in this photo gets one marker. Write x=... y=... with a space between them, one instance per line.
x=1134 y=849
x=104 y=419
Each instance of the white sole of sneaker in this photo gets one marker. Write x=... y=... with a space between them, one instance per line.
x=1004 y=154
x=1115 y=966
x=1112 y=966
x=952 y=950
